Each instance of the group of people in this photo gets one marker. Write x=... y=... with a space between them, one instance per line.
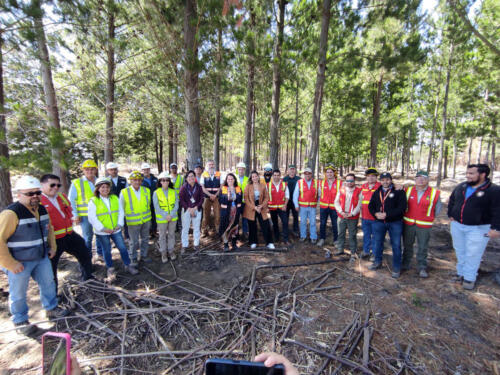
x=33 y=236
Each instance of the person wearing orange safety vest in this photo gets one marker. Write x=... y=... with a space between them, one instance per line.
x=329 y=188
x=278 y=200
x=423 y=205
x=305 y=199
x=367 y=219
x=59 y=210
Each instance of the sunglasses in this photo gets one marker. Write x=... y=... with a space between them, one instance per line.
x=164 y=180
x=33 y=193
x=54 y=185
x=349 y=180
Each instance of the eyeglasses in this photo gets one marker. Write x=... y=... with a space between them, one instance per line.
x=349 y=180
x=54 y=185
x=32 y=193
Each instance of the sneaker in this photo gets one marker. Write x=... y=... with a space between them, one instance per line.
x=468 y=285
x=132 y=270
x=25 y=328
x=164 y=257
x=328 y=254
x=372 y=258
x=183 y=251
x=321 y=242
x=302 y=239
x=253 y=246
x=375 y=266
x=313 y=241
x=395 y=274
x=423 y=274
x=365 y=255
x=56 y=313
x=172 y=256
x=457 y=279
x=270 y=246
x=112 y=274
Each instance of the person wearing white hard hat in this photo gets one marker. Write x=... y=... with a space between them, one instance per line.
x=305 y=199
x=27 y=242
x=118 y=183
x=242 y=183
x=151 y=182
x=268 y=173
x=166 y=202
x=107 y=218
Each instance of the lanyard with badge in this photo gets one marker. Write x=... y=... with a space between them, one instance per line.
x=382 y=200
x=191 y=194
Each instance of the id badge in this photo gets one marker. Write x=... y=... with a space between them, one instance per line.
x=192 y=200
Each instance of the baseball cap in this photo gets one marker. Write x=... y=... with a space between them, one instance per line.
x=145 y=166
x=292 y=166
x=422 y=173
x=307 y=170
x=385 y=175
x=371 y=171
x=173 y=165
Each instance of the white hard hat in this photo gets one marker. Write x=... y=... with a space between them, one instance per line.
x=308 y=170
x=111 y=165
x=28 y=182
x=163 y=175
x=102 y=180
x=241 y=165
x=268 y=167
x=145 y=166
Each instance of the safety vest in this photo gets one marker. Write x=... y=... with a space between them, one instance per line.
x=243 y=185
x=224 y=192
x=367 y=195
x=276 y=196
x=421 y=213
x=107 y=216
x=29 y=241
x=136 y=212
x=167 y=203
x=178 y=183
x=212 y=186
x=327 y=199
x=84 y=193
x=308 y=196
x=354 y=201
x=62 y=225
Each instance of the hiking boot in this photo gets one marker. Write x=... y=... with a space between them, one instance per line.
x=253 y=246
x=226 y=247
x=313 y=241
x=112 y=274
x=25 y=328
x=321 y=242
x=395 y=274
x=183 y=251
x=132 y=270
x=423 y=274
x=457 y=279
x=270 y=246
x=365 y=255
x=234 y=245
x=375 y=266
x=172 y=256
x=302 y=239
x=468 y=285
x=164 y=257
x=56 y=313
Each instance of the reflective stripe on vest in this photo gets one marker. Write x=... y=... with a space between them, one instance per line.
x=83 y=195
x=142 y=213
x=323 y=204
x=224 y=191
x=308 y=203
x=166 y=203
x=410 y=220
x=270 y=188
x=107 y=216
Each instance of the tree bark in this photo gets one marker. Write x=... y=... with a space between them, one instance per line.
x=249 y=133
x=193 y=142
x=296 y=123
x=480 y=150
x=320 y=81
x=434 y=122
x=110 y=85
x=445 y=108
x=253 y=138
x=5 y=187
x=374 y=133
x=455 y=150
x=50 y=101
x=274 y=143
x=469 y=154
x=445 y=168
x=493 y=145
x=170 y=141
x=217 y=99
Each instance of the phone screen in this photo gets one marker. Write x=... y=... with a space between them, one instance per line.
x=54 y=355
x=221 y=367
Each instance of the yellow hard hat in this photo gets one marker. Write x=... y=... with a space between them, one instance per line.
x=135 y=175
x=89 y=163
x=330 y=166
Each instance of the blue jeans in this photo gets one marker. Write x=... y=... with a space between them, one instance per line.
x=368 y=236
x=324 y=214
x=88 y=234
x=469 y=242
x=105 y=241
x=395 y=230
x=308 y=213
x=41 y=272
x=244 y=222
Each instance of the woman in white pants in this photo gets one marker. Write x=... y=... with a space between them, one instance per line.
x=191 y=202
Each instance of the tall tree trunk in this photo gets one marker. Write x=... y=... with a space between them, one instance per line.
x=480 y=150
x=469 y=154
x=193 y=142
x=445 y=168
x=274 y=143
x=300 y=151
x=158 y=140
x=320 y=81
x=5 y=188
x=296 y=123
x=110 y=85
x=493 y=145
x=419 y=161
x=249 y=134
x=175 y=158
x=253 y=138
x=445 y=108
x=374 y=132
x=50 y=101
x=217 y=99
x=434 y=122
x=455 y=150
x=170 y=141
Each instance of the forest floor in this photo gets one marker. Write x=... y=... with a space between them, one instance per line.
x=211 y=304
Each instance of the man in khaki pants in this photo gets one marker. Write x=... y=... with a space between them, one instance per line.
x=210 y=182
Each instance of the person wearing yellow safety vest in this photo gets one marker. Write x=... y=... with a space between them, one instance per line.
x=107 y=218
x=242 y=183
x=305 y=200
x=136 y=203
x=423 y=205
x=80 y=193
x=67 y=240
x=278 y=201
x=166 y=202
x=329 y=188
x=176 y=182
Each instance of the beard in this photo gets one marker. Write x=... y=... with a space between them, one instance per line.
x=474 y=182
x=34 y=202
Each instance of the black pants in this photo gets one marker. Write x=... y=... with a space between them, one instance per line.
x=264 y=225
x=73 y=244
x=290 y=207
x=282 y=215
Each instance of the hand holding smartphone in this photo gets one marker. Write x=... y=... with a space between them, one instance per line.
x=56 y=349
x=219 y=366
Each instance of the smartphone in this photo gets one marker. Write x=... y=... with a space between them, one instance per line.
x=218 y=366
x=56 y=348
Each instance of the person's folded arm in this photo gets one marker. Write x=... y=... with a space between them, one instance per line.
x=8 y=225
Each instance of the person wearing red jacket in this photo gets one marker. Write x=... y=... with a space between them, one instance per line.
x=278 y=201
x=348 y=206
x=59 y=210
x=367 y=219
